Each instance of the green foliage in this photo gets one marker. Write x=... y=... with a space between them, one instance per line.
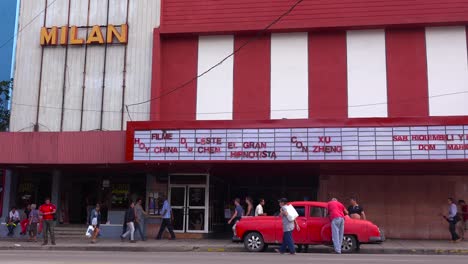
x=4 y=99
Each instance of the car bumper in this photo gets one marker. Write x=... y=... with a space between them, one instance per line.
x=378 y=239
x=236 y=239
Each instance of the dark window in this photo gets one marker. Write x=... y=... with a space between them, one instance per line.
x=316 y=211
x=300 y=210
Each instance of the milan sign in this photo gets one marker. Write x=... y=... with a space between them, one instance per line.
x=302 y=144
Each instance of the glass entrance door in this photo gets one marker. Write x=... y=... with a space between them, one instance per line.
x=178 y=203
x=196 y=208
x=189 y=207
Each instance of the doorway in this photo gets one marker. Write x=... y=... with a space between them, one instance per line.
x=189 y=201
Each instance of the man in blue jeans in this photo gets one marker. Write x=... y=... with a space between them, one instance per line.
x=337 y=211
x=288 y=228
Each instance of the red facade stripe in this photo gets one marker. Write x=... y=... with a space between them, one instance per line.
x=179 y=62
x=407 y=84
x=188 y=16
x=252 y=79
x=328 y=75
x=156 y=77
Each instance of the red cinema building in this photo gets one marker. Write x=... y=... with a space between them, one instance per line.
x=303 y=99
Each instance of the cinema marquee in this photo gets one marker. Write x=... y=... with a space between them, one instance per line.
x=97 y=35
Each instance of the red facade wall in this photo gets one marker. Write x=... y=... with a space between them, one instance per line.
x=188 y=16
x=178 y=68
x=327 y=75
x=407 y=84
x=405 y=206
x=252 y=78
x=95 y=147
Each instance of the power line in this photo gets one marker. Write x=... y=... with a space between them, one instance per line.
x=258 y=35
x=25 y=26
x=403 y=101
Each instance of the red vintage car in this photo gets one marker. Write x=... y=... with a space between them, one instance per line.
x=258 y=232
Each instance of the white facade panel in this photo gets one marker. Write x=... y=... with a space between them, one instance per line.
x=51 y=93
x=115 y=60
x=75 y=68
x=27 y=67
x=215 y=89
x=85 y=108
x=143 y=18
x=289 y=76
x=447 y=71
x=367 y=73
x=93 y=91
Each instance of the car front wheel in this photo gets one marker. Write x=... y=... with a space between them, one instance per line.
x=253 y=242
x=349 y=244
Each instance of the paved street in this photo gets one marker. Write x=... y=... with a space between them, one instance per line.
x=52 y=257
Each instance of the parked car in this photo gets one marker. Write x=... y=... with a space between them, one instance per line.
x=258 y=232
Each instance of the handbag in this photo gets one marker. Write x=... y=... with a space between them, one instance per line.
x=292 y=213
x=89 y=231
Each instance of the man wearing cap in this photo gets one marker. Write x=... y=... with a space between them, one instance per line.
x=337 y=211
x=288 y=227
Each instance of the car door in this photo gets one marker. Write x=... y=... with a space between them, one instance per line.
x=300 y=237
x=317 y=223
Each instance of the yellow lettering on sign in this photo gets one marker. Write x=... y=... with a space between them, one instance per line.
x=49 y=37
x=121 y=37
x=64 y=35
x=95 y=37
x=74 y=40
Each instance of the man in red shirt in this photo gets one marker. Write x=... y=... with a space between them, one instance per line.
x=48 y=210
x=337 y=211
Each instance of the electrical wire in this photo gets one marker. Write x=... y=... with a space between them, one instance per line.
x=28 y=24
x=257 y=36
x=403 y=101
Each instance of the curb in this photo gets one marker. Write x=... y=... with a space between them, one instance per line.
x=181 y=249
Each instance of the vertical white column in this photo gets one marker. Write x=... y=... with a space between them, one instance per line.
x=289 y=76
x=215 y=89
x=447 y=71
x=367 y=73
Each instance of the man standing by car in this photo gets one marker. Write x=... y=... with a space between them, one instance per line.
x=337 y=211
x=288 y=228
x=48 y=210
x=259 y=208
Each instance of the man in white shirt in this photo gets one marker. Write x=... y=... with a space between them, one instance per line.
x=13 y=220
x=259 y=208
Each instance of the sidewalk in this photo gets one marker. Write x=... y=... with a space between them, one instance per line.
x=421 y=247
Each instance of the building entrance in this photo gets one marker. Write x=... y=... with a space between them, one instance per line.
x=189 y=196
x=258 y=181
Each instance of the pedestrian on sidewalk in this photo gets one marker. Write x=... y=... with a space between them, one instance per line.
x=130 y=221
x=34 y=220
x=250 y=210
x=95 y=221
x=462 y=218
x=140 y=219
x=166 y=220
x=337 y=212
x=452 y=219
x=288 y=228
x=259 y=209
x=12 y=221
x=355 y=210
x=25 y=222
x=238 y=214
x=48 y=210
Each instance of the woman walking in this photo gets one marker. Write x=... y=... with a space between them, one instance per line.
x=34 y=220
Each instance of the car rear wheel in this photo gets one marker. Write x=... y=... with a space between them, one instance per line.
x=350 y=244
x=253 y=242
